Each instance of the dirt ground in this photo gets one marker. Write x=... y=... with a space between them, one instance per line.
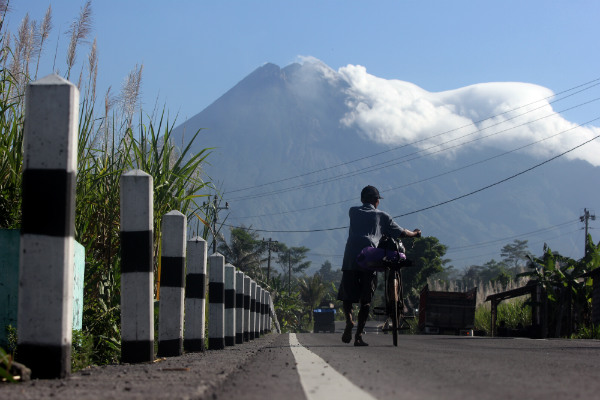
x=191 y=376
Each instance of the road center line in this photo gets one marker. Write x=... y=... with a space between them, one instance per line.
x=319 y=380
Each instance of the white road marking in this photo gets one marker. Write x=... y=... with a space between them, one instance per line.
x=319 y=380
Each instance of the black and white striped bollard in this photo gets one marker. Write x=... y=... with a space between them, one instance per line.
x=247 y=313
x=263 y=322
x=195 y=296
x=137 y=278
x=172 y=281
x=239 y=307
x=229 y=305
x=258 y=314
x=252 y=310
x=268 y=312
x=45 y=304
x=216 y=302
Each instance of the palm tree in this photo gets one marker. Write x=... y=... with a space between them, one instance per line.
x=244 y=251
x=312 y=291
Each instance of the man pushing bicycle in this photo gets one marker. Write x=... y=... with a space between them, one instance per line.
x=367 y=226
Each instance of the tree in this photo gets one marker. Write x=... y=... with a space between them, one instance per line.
x=491 y=271
x=292 y=258
x=312 y=291
x=288 y=307
x=565 y=282
x=426 y=254
x=328 y=275
x=244 y=251
x=513 y=254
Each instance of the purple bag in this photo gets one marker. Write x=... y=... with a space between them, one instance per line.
x=372 y=259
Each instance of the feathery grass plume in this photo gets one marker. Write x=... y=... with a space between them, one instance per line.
x=80 y=29
x=44 y=32
x=4 y=9
x=80 y=79
x=5 y=40
x=130 y=93
x=93 y=70
x=26 y=39
x=15 y=65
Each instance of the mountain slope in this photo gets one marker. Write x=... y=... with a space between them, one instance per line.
x=281 y=123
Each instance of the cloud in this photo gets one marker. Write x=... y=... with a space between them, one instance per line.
x=505 y=115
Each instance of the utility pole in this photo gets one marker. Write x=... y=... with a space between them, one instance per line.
x=269 y=242
x=216 y=210
x=585 y=218
x=290 y=272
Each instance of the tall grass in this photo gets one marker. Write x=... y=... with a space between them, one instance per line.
x=512 y=314
x=484 y=289
x=110 y=142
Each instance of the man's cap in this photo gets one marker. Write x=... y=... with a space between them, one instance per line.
x=370 y=192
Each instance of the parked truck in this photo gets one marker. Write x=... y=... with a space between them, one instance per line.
x=447 y=312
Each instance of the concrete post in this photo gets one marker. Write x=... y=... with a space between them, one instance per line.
x=258 y=313
x=195 y=296
x=172 y=278
x=252 y=310
x=229 y=305
x=263 y=322
x=239 y=307
x=247 y=287
x=45 y=302
x=216 y=302
x=268 y=312
x=137 y=279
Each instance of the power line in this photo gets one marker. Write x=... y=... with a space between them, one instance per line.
x=429 y=178
x=393 y=162
x=589 y=84
x=482 y=244
x=500 y=181
x=453 y=260
x=485 y=244
x=444 y=202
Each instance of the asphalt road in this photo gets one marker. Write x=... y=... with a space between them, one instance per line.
x=321 y=366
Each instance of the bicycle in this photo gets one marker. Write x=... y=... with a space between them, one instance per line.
x=394 y=293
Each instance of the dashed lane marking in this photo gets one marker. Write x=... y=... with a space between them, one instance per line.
x=319 y=380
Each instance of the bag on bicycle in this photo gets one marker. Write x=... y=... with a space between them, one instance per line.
x=375 y=259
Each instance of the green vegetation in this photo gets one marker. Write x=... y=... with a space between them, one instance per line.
x=568 y=288
x=564 y=280
x=110 y=143
x=514 y=314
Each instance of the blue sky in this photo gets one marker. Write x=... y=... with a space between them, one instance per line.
x=194 y=51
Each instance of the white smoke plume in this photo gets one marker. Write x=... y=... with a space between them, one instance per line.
x=505 y=115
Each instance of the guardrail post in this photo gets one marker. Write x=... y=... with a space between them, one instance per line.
x=229 y=305
x=172 y=278
x=258 y=311
x=247 y=313
x=267 y=311
x=263 y=321
x=252 y=309
x=195 y=296
x=137 y=278
x=45 y=304
x=216 y=302
x=239 y=307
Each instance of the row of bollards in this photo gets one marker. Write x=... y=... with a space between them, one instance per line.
x=239 y=309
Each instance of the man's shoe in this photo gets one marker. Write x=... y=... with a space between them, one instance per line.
x=359 y=342
x=347 y=336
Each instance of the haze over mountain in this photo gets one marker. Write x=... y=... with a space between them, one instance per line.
x=294 y=146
